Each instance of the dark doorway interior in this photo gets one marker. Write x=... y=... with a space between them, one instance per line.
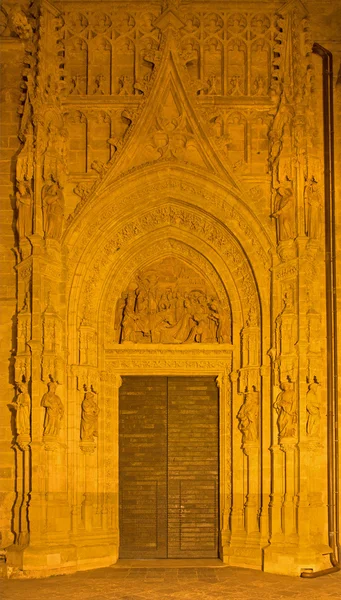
x=169 y=467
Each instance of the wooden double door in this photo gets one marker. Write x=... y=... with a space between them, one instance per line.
x=169 y=465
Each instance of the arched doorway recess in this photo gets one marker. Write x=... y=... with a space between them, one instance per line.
x=176 y=226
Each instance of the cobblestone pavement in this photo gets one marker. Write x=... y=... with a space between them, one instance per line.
x=200 y=583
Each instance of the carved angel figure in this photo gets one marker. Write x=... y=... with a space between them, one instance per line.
x=22 y=406
x=285 y=405
x=54 y=410
x=248 y=416
x=313 y=409
x=89 y=419
x=24 y=207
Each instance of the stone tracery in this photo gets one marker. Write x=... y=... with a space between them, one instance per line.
x=207 y=228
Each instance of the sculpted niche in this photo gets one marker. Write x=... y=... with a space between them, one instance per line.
x=171 y=303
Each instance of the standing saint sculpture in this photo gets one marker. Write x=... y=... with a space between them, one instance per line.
x=24 y=207
x=22 y=406
x=54 y=410
x=286 y=408
x=314 y=210
x=89 y=418
x=248 y=416
x=53 y=210
x=313 y=409
x=285 y=213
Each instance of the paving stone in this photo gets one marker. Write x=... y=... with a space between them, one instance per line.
x=224 y=583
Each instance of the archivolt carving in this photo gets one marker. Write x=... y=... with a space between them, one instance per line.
x=212 y=232
x=190 y=191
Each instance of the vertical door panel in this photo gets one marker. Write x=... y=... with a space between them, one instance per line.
x=193 y=435
x=143 y=467
x=169 y=467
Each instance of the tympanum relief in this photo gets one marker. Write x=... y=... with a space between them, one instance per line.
x=171 y=304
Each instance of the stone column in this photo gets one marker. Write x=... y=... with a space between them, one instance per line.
x=251 y=451
x=115 y=387
x=223 y=385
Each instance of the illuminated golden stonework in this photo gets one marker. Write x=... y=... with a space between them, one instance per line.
x=170 y=177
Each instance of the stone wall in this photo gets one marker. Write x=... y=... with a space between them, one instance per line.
x=164 y=191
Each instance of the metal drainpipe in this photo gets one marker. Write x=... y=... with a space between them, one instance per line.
x=332 y=375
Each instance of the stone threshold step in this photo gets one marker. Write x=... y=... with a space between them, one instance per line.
x=168 y=563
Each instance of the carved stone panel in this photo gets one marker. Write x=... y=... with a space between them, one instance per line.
x=171 y=303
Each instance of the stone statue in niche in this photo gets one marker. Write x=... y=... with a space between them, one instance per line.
x=313 y=403
x=248 y=416
x=173 y=308
x=54 y=410
x=126 y=85
x=22 y=406
x=54 y=160
x=53 y=210
x=24 y=205
x=89 y=418
x=24 y=166
x=285 y=213
x=286 y=408
x=99 y=80
x=314 y=209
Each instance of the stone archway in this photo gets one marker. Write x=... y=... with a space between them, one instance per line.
x=170 y=227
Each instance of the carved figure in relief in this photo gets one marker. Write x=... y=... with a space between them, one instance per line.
x=314 y=210
x=125 y=23
x=285 y=406
x=176 y=319
x=75 y=82
x=129 y=319
x=235 y=89
x=259 y=86
x=99 y=80
x=54 y=158
x=190 y=53
x=82 y=190
x=222 y=320
x=191 y=25
x=313 y=403
x=99 y=167
x=24 y=166
x=22 y=406
x=213 y=24
x=212 y=85
x=285 y=213
x=248 y=416
x=148 y=22
x=24 y=207
x=54 y=409
x=19 y=23
x=53 y=210
x=236 y=23
x=126 y=84
x=89 y=418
